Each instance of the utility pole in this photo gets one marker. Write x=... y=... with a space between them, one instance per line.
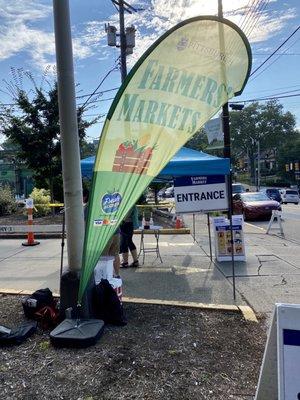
x=122 y=41
x=126 y=35
x=70 y=153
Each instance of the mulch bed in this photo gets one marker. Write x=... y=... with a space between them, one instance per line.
x=162 y=353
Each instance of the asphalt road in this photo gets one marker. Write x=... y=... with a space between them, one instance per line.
x=291 y=226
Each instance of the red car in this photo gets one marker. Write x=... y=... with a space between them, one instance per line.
x=254 y=205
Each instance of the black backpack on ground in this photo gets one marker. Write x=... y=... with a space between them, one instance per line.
x=38 y=300
x=10 y=336
x=107 y=305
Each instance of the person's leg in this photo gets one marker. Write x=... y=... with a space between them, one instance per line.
x=132 y=247
x=115 y=247
x=124 y=247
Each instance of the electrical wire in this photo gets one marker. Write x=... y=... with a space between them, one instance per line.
x=269 y=65
x=102 y=80
x=264 y=98
x=275 y=51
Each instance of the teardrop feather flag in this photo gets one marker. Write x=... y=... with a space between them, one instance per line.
x=181 y=81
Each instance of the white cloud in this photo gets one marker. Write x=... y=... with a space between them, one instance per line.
x=17 y=33
x=19 y=21
x=258 y=23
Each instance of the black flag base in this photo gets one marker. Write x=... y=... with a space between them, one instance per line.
x=77 y=332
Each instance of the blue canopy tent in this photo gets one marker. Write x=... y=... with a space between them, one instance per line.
x=185 y=162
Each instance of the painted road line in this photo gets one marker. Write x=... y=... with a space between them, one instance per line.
x=258 y=227
x=176 y=270
x=188 y=270
x=167 y=244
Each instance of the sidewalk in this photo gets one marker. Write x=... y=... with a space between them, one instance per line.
x=271 y=273
x=186 y=274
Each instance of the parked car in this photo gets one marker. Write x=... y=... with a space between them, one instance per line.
x=272 y=193
x=289 y=196
x=254 y=205
x=238 y=188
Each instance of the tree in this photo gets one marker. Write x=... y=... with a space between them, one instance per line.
x=266 y=123
x=34 y=130
x=289 y=157
x=198 y=141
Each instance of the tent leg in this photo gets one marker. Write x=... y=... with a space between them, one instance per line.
x=230 y=207
x=194 y=229
x=209 y=236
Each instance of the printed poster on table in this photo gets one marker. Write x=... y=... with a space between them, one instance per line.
x=179 y=84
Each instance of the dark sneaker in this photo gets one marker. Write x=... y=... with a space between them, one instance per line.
x=135 y=264
x=124 y=265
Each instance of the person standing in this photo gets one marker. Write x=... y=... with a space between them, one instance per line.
x=127 y=227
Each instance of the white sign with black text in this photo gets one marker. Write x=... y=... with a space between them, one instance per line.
x=200 y=193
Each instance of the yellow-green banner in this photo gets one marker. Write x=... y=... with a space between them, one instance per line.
x=178 y=84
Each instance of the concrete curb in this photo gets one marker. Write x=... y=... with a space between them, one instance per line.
x=247 y=311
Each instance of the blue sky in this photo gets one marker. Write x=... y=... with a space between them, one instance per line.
x=27 y=43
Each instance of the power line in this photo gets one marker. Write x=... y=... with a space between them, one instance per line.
x=102 y=80
x=277 y=58
x=275 y=51
x=268 y=90
x=77 y=97
x=279 y=54
x=95 y=101
x=100 y=93
x=265 y=98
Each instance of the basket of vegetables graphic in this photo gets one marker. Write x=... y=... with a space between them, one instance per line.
x=133 y=156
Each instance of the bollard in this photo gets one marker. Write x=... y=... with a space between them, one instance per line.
x=30 y=234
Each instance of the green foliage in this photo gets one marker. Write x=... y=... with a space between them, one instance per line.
x=33 y=128
x=266 y=123
x=7 y=201
x=274 y=182
x=290 y=153
x=41 y=197
x=198 y=141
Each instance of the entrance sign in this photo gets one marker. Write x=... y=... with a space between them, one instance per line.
x=179 y=84
x=200 y=193
x=279 y=375
x=222 y=235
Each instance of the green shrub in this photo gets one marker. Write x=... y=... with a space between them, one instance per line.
x=8 y=203
x=41 y=197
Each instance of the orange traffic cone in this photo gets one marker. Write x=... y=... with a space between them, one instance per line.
x=30 y=234
x=177 y=222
